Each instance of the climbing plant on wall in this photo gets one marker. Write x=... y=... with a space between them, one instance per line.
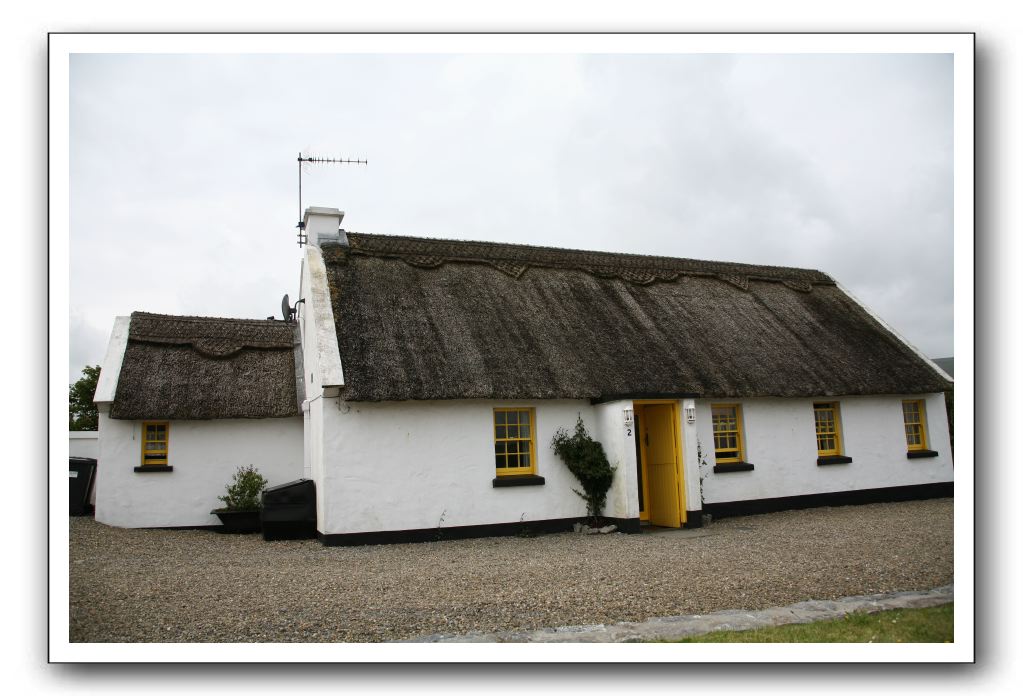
x=585 y=458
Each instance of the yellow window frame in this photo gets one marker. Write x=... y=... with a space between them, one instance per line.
x=828 y=426
x=914 y=420
x=722 y=434
x=156 y=455
x=508 y=441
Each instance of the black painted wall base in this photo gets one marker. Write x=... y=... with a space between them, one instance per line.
x=694 y=519
x=524 y=528
x=800 y=502
x=628 y=526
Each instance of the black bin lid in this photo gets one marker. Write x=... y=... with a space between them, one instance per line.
x=300 y=491
x=289 y=484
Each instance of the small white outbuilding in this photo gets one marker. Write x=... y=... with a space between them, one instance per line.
x=183 y=402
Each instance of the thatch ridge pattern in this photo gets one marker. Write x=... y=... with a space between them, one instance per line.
x=218 y=349
x=515 y=259
x=198 y=368
x=261 y=333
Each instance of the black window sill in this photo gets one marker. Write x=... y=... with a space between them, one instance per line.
x=920 y=454
x=524 y=480
x=729 y=468
x=153 y=468
x=833 y=459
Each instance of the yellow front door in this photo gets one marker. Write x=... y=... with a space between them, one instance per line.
x=659 y=449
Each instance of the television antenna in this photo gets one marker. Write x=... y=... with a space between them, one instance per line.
x=302 y=239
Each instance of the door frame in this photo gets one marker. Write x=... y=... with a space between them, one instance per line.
x=679 y=457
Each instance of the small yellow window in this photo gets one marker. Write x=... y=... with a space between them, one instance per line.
x=154 y=443
x=829 y=434
x=727 y=420
x=515 y=441
x=914 y=418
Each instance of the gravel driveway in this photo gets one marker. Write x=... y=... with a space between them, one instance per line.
x=135 y=585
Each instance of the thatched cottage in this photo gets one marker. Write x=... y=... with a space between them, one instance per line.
x=434 y=373
x=183 y=402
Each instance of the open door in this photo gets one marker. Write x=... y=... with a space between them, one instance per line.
x=661 y=464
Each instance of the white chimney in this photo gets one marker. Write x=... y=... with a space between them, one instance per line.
x=323 y=225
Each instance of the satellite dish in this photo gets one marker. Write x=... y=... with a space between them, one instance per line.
x=286 y=309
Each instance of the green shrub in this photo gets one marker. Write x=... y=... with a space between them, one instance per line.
x=244 y=493
x=585 y=458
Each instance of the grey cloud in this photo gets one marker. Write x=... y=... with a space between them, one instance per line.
x=184 y=191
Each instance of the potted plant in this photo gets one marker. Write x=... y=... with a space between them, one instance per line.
x=242 y=503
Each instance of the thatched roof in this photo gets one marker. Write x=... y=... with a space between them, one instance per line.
x=200 y=368
x=439 y=319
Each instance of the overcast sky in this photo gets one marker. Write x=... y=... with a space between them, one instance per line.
x=184 y=192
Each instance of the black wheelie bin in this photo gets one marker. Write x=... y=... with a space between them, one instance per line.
x=289 y=511
x=81 y=472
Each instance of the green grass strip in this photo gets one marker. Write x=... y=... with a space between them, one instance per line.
x=928 y=625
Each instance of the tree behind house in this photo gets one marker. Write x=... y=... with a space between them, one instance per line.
x=82 y=413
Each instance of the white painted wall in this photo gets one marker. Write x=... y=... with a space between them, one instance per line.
x=419 y=465
x=83 y=444
x=314 y=454
x=690 y=458
x=204 y=454
x=106 y=385
x=320 y=333
x=317 y=361
x=780 y=442
x=620 y=447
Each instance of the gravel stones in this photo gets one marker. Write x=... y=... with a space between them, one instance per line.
x=141 y=585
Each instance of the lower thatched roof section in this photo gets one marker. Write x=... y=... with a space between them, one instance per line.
x=435 y=319
x=198 y=368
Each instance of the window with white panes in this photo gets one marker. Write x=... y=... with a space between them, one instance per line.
x=829 y=435
x=727 y=420
x=514 y=441
x=913 y=418
x=155 y=440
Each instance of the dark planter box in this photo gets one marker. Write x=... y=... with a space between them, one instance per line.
x=238 y=521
